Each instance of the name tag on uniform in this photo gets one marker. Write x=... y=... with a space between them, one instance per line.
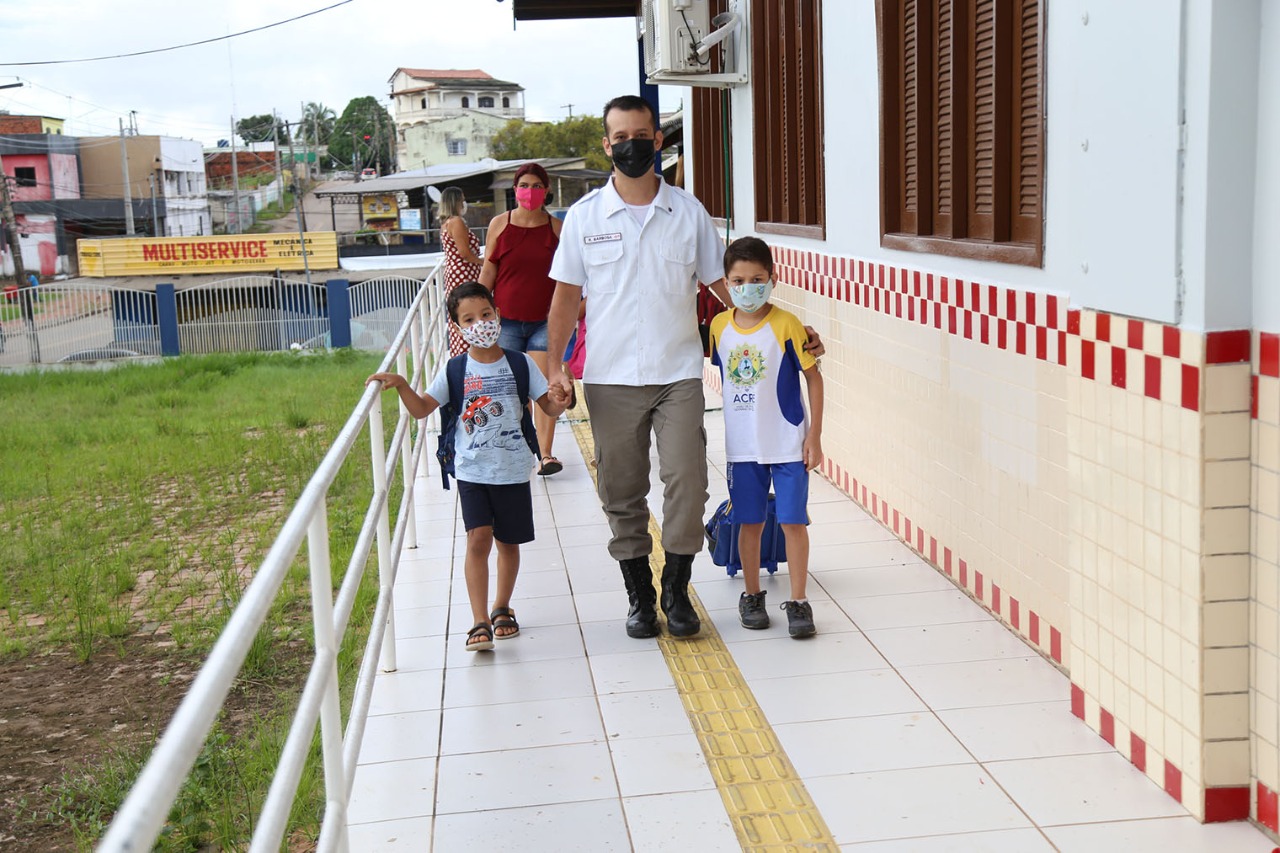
x=591 y=239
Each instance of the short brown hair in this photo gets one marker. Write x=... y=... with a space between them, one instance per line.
x=628 y=103
x=751 y=249
x=469 y=290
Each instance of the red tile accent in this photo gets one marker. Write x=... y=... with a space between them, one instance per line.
x=1151 y=385
x=1191 y=387
x=1062 y=349
x=1031 y=307
x=933 y=550
x=895 y=521
x=1138 y=752
x=1055 y=644
x=1118 y=367
x=1073 y=321
x=1051 y=312
x=984 y=325
x=1268 y=808
x=964 y=574
x=946 y=554
x=906 y=528
x=1034 y=628
x=1107 y=726
x=919 y=541
x=1086 y=359
x=991 y=299
x=1077 y=701
x=1135 y=334
x=1042 y=343
x=968 y=325
x=1103 y=332
x=1172 y=780
x=977 y=585
x=1172 y=341
x=1269 y=354
x=1014 y=615
x=1021 y=338
x=951 y=319
x=1002 y=334
x=1223 y=804
x=995 y=599
x=1228 y=347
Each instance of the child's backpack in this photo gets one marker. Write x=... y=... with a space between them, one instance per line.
x=454 y=370
x=722 y=539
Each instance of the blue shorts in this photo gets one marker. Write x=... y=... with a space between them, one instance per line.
x=523 y=337
x=749 y=491
x=507 y=509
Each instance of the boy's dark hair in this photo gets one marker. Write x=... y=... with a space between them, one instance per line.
x=751 y=249
x=628 y=103
x=469 y=290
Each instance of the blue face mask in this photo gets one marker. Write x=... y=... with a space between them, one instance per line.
x=752 y=296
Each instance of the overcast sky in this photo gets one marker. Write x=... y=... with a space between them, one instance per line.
x=331 y=57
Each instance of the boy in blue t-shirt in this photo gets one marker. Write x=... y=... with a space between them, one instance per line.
x=492 y=460
x=769 y=437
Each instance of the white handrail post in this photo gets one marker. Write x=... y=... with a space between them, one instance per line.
x=406 y=451
x=378 y=450
x=335 y=777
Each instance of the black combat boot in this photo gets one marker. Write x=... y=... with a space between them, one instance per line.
x=682 y=619
x=642 y=618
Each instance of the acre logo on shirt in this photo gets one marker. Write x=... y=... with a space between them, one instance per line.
x=746 y=366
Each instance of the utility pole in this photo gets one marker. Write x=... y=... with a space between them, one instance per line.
x=569 y=107
x=275 y=135
x=315 y=139
x=298 y=188
x=155 y=219
x=377 y=140
x=235 y=179
x=124 y=169
x=19 y=271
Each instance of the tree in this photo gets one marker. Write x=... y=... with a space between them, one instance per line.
x=573 y=137
x=317 y=123
x=362 y=135
x=258 y=128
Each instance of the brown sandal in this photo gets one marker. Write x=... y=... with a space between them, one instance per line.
x=504 y=618
x=481 y=645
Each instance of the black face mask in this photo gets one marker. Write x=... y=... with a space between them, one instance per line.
x=633 y=157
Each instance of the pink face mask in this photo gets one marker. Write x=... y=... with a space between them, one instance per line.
x=531 y=198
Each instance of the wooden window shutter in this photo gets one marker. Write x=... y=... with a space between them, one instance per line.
x=712 y=158
x=961 y=127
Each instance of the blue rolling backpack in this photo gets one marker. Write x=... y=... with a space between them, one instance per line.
x=722 y=540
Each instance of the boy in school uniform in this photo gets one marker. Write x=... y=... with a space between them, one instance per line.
x=493 y=461
x=768 y=436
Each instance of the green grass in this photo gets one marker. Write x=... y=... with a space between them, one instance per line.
x=149 y=494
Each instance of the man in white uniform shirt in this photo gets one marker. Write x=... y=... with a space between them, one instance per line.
x=637 y=248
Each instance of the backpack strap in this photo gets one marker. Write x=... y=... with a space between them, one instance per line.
x=454 y=371
x=519 y=365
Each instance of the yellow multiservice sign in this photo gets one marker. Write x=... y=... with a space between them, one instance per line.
x=239 y=253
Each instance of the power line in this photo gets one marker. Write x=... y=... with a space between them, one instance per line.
x=176 y=46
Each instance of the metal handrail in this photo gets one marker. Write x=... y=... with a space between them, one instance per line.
x=141 y=817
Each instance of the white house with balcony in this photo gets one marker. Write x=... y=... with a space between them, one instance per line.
x=449 y=115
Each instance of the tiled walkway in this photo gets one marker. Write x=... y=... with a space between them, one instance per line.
x=915 y=720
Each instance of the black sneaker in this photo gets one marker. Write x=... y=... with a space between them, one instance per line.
x=799 y=618
x=751 y=612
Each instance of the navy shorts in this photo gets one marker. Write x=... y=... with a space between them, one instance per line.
x=522 y=336
x=507 y=509
x=749 y=491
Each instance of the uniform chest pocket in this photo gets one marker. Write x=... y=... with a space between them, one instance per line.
x=677 y=263
x=604 y=265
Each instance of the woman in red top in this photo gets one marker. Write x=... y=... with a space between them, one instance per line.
x=517 y=259
x=461 y=253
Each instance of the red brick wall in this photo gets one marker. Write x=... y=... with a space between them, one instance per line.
x=20 y=124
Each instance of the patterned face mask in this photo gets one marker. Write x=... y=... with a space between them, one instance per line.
x=752 y=296
x=483 y=334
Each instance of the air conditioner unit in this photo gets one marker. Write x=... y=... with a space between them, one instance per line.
x=678 y=37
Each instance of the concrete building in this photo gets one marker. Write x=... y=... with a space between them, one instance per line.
x=44 y=175
x=449 y=115
x=172 y=169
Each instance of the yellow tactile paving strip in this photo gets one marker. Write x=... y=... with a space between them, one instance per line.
x=766 y=801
